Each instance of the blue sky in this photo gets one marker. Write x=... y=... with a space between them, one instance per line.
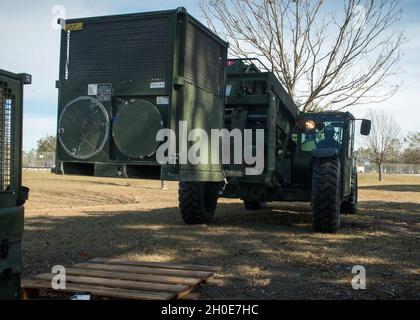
x=33 y=47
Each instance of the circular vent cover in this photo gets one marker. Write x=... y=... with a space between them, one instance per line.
x=135 y=127
x=83 y=128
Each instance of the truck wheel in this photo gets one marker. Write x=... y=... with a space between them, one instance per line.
x=198 y=201
x=255 y=205
x=350 y=206
x=326 y=195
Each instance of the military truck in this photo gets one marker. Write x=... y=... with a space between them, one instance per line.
x=12 y=194
x=124 y=78
x=308 y=156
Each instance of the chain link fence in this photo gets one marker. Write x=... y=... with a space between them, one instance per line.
x=400 y=168
x=38 y=160
x=391 y=168
x=46 y=160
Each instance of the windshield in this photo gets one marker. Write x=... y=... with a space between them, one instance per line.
x=327 y=136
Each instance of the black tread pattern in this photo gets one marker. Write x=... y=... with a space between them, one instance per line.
x=350 y=206
x=254 y=205
x=198 y=201
x=326 y=195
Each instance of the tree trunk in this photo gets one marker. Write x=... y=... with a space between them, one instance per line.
x=381 y=178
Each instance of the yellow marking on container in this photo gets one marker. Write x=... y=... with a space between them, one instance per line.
x=74 y=26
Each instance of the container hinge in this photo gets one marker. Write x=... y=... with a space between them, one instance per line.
x=179 y=82
x=4 y=249
x=181 y=10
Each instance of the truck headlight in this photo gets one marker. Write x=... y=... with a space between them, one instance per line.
x=310 y=125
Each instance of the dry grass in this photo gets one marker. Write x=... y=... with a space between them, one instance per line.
x=271 y=254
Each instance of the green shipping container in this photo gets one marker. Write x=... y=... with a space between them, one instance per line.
x=125 y=77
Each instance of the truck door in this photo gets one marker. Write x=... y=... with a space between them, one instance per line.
x=302 y=168
x=348 y=157
x=12 y=194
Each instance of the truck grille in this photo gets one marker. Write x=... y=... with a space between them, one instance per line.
x=119 y=50
x=203 y=60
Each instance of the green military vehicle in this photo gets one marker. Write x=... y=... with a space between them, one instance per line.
x=12 y=194
x=308 y=157
x=124 y=78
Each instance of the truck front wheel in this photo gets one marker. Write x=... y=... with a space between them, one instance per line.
x=198 y=201
x=350 y=206
x=326 y=195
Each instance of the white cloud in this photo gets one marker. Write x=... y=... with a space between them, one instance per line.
x=35 y=127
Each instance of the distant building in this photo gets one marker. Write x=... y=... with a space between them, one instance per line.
x=360 y=169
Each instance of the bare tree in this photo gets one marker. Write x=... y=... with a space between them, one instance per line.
x=327 y=56
x=411 y=154
x=47 y=144
x=383 y=142
x=413 y=140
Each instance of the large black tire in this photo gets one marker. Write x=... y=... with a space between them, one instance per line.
x=326 y=195
x=350 y=206
x=198 y=201
x=254 y=205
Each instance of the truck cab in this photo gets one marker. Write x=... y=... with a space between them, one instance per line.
x=325 y=166
x=329 y=133
x=308 y=157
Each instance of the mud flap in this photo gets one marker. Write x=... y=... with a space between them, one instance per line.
x=11 y=232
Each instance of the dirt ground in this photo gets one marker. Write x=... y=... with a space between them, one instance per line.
x=272 y=254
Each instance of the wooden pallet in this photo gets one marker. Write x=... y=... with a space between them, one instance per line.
x=120 y=279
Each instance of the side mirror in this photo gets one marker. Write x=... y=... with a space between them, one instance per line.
x=365 y=127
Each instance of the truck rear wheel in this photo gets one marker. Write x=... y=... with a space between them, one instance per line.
x=350 y=206
x=326 y=195
x=198 y=201
x=255 y=205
